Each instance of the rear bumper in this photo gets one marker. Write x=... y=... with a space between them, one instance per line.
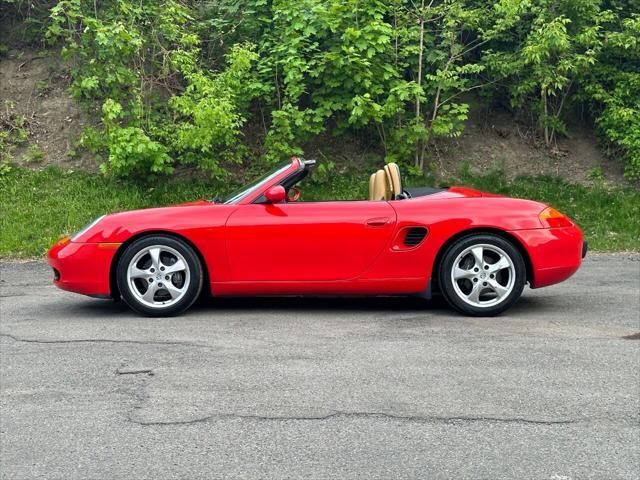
x=82 y=267
x=555 y=253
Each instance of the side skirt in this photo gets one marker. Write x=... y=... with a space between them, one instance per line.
x=385 y=286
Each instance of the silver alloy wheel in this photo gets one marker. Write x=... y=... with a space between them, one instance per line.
x=158 y=276
x=483 y=275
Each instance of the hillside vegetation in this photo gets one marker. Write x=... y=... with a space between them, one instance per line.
x=173 y=83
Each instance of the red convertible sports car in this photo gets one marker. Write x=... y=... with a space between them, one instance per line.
x=477 y=249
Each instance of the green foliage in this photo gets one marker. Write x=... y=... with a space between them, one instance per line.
x=210 y=112
x=132 y=151
x=5 y=169
x=324 y=173
x=34 y=154
x=595 y=174
x=612 y=89
x=190 y=78
x=560 y=42
x=13 y=132
x=574 y=53
x=160 y=100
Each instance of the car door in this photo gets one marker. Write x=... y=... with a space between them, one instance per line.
x=303 y=241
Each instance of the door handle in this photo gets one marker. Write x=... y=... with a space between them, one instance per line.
x=378 y=222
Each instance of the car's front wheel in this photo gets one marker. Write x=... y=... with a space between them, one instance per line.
x=159 y=276
x=482 y=275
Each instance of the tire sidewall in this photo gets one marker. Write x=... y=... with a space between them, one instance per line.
x=195 y=272
x=449 y=258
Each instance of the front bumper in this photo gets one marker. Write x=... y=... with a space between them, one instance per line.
x=555 y=253
x=83 y=267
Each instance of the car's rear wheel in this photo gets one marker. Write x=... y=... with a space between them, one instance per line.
x=482 y=275
x=159 y=276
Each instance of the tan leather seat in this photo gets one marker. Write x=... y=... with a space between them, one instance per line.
x=378 y=186
x=372 y=182
x=394 y=182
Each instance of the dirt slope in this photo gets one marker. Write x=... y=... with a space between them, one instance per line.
x=34 y=87
x=497 y=139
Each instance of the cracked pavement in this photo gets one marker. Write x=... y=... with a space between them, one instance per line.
x=322 y=388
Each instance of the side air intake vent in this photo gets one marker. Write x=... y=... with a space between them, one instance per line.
x=414 y=236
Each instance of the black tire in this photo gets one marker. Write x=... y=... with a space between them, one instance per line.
x=454 y=296
x=189 y=293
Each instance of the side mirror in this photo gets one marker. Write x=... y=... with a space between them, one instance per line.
x=275 y=194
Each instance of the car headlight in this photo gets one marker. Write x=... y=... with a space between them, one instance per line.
x=86 y=228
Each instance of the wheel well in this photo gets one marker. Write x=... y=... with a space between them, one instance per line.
x=113 y=282
x=475 y=231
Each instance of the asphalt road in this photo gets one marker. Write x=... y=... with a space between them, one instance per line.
x=323 y=388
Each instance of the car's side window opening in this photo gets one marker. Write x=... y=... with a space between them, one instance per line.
x=385 y=185
x=298 y=179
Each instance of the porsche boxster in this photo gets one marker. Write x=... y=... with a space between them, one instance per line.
x=477 y=249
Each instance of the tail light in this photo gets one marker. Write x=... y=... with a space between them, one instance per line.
x=552 y=218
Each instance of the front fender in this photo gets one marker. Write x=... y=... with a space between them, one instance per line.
x=202 y=224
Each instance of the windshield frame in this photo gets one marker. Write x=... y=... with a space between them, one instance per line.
x=257 y=184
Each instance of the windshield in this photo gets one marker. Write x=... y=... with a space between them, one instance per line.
x=256 y=184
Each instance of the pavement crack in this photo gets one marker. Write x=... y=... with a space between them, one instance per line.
x=134 y=371
x=176 y=422
x=365 y=415
x=102 y=340
x=633 y=336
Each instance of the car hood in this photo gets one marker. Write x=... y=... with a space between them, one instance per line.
x=120 y=226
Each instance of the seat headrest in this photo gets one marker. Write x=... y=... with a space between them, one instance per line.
x=372 y=183
x=393 y=178
x=378 y=187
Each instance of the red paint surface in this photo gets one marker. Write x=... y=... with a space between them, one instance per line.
x=342 y=247
x=83 y=267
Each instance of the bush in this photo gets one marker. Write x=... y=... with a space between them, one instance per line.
x=189 y=76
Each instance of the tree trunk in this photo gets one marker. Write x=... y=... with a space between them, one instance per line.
x=418 y=157
x=545 y=127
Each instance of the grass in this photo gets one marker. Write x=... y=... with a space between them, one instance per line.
x=38 y=207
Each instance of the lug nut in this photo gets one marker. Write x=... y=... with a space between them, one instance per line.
x=159 y=285
x=166 y=277
x=475 y=280
x=492 y=275
x=151 y=280
x=152 y=270
x=476 y=269
x=484 y=284
x=162 y=269
x=486 y=267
